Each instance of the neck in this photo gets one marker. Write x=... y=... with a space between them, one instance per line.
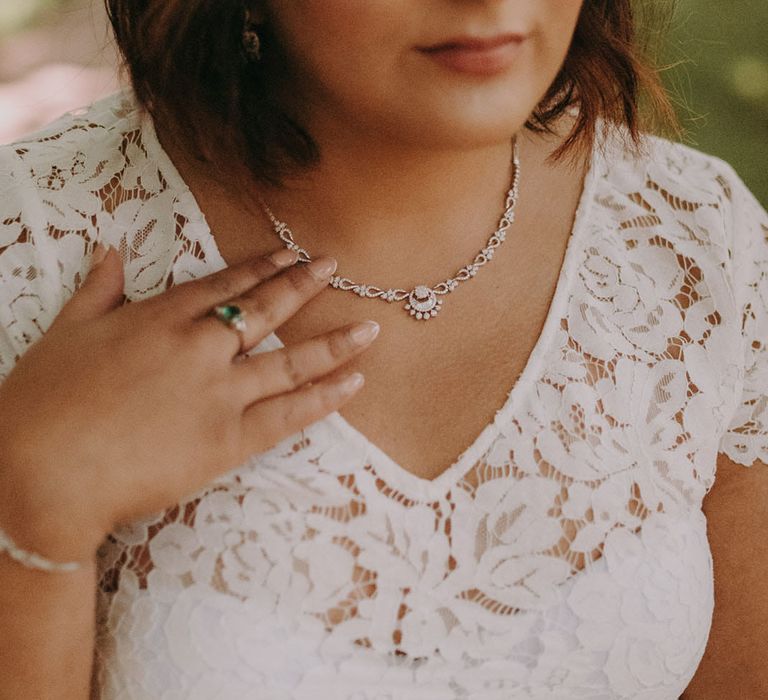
x=405 y=213
x=403 y=208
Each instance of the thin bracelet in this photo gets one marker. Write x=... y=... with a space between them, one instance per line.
x=32 y=560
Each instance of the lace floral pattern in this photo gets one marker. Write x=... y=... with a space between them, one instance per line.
x=562 y=556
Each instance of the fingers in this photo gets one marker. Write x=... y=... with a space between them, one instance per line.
x=102 y=290
x=266 y=423
x=270 y=373
x=199 y=296
x=268 y=305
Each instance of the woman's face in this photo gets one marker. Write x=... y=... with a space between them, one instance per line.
x=431 y=72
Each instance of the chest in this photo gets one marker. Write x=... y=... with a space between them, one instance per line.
x=432 y=387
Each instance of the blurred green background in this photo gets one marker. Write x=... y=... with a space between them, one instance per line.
x=715 y=51
x=719 y=50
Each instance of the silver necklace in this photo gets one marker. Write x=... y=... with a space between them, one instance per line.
x=423 y=302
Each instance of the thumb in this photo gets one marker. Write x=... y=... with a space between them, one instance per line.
x=102 y=290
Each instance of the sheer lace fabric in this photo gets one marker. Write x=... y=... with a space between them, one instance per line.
x=562 y=556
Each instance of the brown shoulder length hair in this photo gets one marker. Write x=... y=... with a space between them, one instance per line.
x=187 y=66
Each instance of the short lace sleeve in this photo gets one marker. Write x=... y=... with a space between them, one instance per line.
x=18 y=329
x=746 y=437
x=39 y=262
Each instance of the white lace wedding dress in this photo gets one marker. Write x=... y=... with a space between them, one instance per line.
x=563 y=556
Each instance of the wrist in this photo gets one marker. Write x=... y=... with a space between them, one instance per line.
x=33 y=560
x=46 y=540
x=33 y=521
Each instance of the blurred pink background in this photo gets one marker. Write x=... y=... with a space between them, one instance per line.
x=63 y=60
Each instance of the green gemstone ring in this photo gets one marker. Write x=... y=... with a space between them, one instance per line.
x=232 y=315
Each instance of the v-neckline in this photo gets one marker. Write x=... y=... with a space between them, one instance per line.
x=384 y=465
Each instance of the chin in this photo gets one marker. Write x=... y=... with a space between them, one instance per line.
x=461 y=113
x=461 y=126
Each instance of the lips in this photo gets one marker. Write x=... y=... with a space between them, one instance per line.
x=474 y=43
x=476 y=55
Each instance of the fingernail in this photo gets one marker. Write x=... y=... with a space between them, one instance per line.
x=364 y=332
x=98 y=255
x=352 y=383
x=284 y=257
x=322 y=267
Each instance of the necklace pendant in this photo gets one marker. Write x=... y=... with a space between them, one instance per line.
x=423 y=303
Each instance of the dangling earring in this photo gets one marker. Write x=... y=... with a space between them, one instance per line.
x=251 y=40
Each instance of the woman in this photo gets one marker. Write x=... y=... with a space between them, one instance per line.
x=183 y=500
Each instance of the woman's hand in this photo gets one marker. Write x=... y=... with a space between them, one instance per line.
x=120 y=411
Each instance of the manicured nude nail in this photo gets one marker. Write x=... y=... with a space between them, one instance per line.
x=364 y=332
x=284 y=257
x=322 y=267
x=98 y=255
x=352 y=383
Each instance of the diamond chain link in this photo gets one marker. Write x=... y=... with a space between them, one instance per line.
x=391 y=295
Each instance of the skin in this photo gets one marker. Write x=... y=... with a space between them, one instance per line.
x=734 y=662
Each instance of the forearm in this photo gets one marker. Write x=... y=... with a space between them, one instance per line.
x=47 y=621
x=47 y=618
